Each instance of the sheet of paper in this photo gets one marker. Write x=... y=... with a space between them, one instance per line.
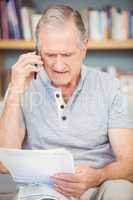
x=36 y=166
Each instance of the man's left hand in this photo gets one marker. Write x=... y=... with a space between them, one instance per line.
x=74 y=185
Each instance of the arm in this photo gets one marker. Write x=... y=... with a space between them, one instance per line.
x=10 y=128
x=87 y=177
x=11 y=133
x=122 y=143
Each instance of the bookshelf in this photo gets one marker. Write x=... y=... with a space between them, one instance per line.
x=92 y=45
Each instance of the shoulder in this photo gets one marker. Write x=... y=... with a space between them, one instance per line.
x=101 y=79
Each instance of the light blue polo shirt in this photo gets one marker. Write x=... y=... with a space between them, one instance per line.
x=81 y=125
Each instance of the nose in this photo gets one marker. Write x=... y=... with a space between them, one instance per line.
x=59 y=64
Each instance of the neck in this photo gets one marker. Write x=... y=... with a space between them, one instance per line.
x=67 y=90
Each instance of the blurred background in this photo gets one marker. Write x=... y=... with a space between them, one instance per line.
x=109 y=25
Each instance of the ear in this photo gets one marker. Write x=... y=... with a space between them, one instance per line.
x=85 y=50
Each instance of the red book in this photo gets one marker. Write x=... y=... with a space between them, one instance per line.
x=4 y=20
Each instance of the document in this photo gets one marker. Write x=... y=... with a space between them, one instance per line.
x=36 y=166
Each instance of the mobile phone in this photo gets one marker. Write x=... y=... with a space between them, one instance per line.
x=36 y=65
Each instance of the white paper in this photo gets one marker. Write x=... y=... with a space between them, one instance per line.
x=36 y=166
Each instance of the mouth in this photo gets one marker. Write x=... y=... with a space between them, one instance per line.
x=60 y=72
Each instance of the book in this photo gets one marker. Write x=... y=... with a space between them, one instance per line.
x=104 y=24
x=4 y=20
x=13 y=21
x=26 y=13
x=131 y=25
x=17 y=6
x=94 y=25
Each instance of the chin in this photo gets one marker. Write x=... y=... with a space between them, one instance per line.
x=60 y=83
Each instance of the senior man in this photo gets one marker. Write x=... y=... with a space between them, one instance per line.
x=70 y=105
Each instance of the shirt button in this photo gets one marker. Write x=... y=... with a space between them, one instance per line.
x=64 y=118
x=62 y=106
x=57 y=95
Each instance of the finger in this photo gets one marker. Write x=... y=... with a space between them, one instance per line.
x=66 y=177
x=28 y=56
x=32 y=61
x=71 y=192
x=21 y=65
x=24 y=56
x=29 y=69
x=26 y=69
x=63 y=192
x=66 y=189
x=29 y=53
x=34 y=56
x=65 y=184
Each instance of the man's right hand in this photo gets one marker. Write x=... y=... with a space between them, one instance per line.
x=23 y=71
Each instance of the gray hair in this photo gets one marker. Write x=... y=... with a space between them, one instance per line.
x=58 y=15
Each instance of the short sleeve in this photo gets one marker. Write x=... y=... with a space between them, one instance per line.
x=2 y=107
x=118 y=110
x=2 y=103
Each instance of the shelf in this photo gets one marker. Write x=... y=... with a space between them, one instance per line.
x=92 y=45
x=110 y=45
x=16 y=44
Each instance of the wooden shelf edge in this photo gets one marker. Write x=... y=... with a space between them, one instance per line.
x=17 y=44
x=92 y=45
x=110 y=44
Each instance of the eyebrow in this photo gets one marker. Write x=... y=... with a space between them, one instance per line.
x=63 y=52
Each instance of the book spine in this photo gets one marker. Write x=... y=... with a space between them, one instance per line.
x=94 y=23
x=26 y=25
x=4 y=20
x=120 y=31
x=17 y=5
x=126 y=27
x=13 y=20
x=0 y=21
x=114 y=22
x=104 y=25
x=100 y=25
x=131 y=24
x=109 y=22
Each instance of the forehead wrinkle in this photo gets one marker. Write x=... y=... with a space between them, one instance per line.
x=57 y=52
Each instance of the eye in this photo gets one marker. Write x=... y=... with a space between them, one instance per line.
x=67 y=54
x=51 y=55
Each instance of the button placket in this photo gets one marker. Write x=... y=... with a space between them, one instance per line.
x=62 y=112
x=60 y=104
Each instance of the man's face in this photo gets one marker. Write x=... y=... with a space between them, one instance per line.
x=62 y=54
